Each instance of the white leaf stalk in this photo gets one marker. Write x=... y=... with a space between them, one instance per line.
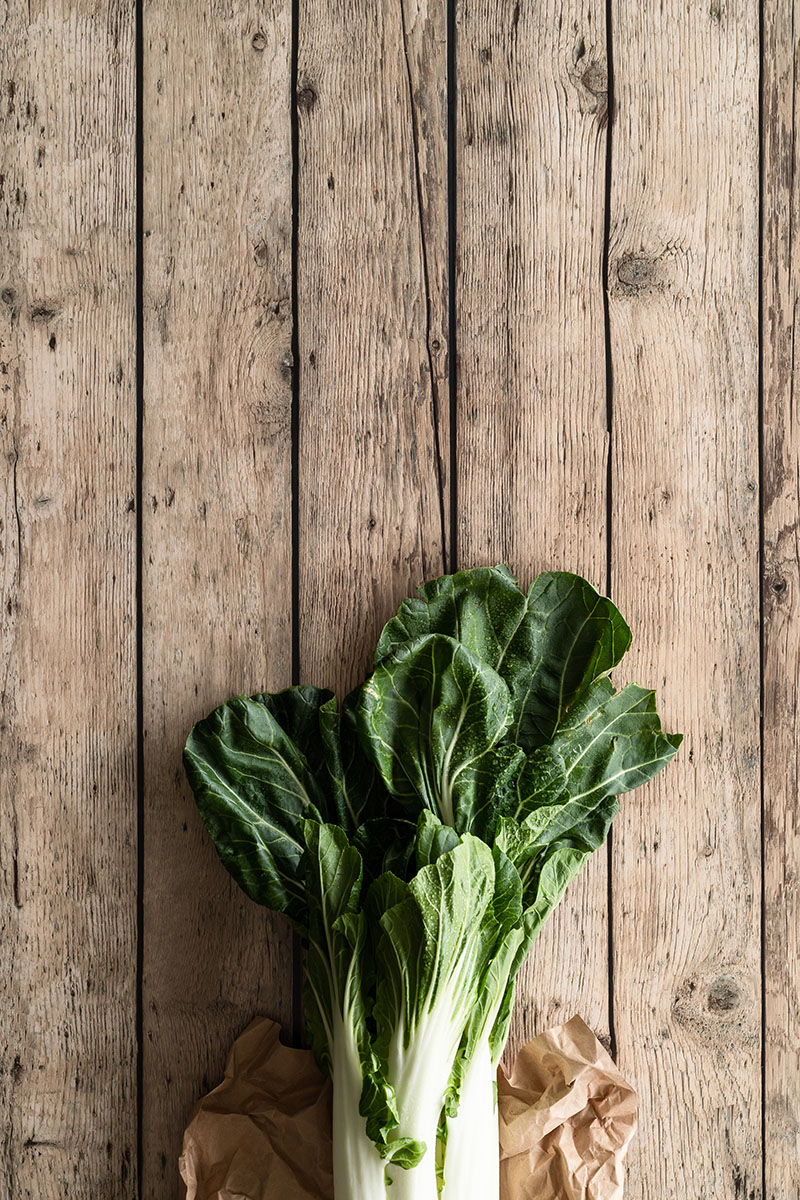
x=471 y=1160
x=358 y=1169
x=421 y=1075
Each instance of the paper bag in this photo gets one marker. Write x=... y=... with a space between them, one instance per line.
x=566 y=1116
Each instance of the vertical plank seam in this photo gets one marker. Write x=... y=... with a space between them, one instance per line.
x=761 y=585
x=139 y=580
x=294 y=33
x=452 y=344
x=610 y=112
x=18 y=522
x=426 y=284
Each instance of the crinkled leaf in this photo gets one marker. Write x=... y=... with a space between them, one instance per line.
x=434 y=939
x=553 y=870
x=544 y=872
x=547 y=645
x=298 y=710
x=575 y=635
x=433 y=839
x=431 y=716
x=357 y=791
x=523 y=845
x=481 y=608
x=254 y=788
x=609 y=743
x=502 y=966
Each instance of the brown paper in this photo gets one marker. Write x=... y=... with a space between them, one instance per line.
x=566 y=1118
x=264 y=1133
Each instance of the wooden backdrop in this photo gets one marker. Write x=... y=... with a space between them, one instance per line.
x=301 y=303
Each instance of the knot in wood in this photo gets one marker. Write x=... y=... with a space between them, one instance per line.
x=306 y=97
x=723 y=995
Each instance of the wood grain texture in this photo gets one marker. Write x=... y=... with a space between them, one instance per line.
x=683 y=275
x=781 y=598
x=532 y=429
x=217 y=515
x=67 y=603
x=372 y=310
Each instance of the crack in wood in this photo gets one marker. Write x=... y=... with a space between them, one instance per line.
x=426 y=281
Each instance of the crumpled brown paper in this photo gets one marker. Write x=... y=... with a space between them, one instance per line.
x=566 y=1118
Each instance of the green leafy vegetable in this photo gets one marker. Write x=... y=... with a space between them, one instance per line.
x=418 y=838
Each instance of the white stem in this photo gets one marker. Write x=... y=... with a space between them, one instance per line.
x=472 y=1154
x=420 y=1121
x=417 y=1183
x=358 y=1170
x=421 y=1074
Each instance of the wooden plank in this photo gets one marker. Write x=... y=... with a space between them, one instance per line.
x=781 y=592
x=67 y=602
x=217 y=514
x=372 y=309
x=684 y=336
x=532 y=431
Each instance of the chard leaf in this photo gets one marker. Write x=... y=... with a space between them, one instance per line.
x=433 y=839
x=576 y=635
x=547 y=646
x=544 y=874
x=523 y=845
x=338 y=978
x=255 y=789
x=507 y=908
x=298 y=712
x=481 y=608
x=437 y=933
x=609 y=743
x=357 y=791
x=430 y=717
x=335 y=939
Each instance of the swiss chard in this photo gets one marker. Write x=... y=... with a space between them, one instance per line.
x=418 y=838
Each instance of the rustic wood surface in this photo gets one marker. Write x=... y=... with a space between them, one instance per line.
x=332 y=201
x=68 y=836
x=216 y=516
x=781 y=606
x=532 y=376
x=372 y=319
x=683 y=294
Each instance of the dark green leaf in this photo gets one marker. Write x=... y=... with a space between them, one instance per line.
x=385 y=844
x=547 y=646
x=297 y=710
x=571 y=636
x=356 y=787
x=430 y=717
x=254 y=789
x=609 y=743
x=481 y=608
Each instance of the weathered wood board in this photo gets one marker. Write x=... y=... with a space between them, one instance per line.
x=781 y=604
x=216 y=518
x=68 y=927
x=683 y=294
x=372 y=318
x=531 y=411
